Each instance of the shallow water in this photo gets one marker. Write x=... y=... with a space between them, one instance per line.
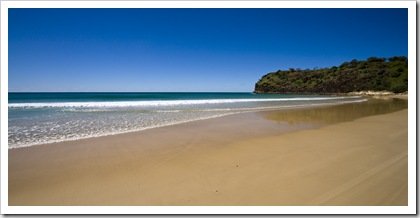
x=338 y=113
x=40 y=118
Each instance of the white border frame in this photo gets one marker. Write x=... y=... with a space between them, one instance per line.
x=410 y=209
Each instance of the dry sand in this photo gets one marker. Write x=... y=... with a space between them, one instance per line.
x=245 y=159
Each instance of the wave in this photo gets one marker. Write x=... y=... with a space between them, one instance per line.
x=155 y=103
x=40 y=134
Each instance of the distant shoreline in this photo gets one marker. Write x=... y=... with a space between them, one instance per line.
x=357 y=93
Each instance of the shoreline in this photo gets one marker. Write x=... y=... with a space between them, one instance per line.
x=215 y=162
x=365 y=93
x=283 y=108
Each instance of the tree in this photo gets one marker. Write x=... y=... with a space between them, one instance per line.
x=397 y=58
x=345 y=64
x=353 y=63
x=375 y=59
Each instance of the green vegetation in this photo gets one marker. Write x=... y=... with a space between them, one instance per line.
x=376 y=74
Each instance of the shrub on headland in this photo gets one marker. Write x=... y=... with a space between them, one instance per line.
x=376 y=74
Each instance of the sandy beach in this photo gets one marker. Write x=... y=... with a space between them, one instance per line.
x=352 y=154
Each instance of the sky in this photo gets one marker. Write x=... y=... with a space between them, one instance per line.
x=189 y=50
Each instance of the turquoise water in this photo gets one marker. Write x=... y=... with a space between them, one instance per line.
x=39 y=118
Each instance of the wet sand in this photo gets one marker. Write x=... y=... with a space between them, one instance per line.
x=353 y=154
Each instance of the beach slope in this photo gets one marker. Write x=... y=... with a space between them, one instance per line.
x=359 y=162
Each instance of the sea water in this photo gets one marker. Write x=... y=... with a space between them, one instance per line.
x=40 y=118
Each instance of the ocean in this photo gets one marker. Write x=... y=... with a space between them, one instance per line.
x=41 y=118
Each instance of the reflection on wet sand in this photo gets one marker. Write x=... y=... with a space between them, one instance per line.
x=338 y=113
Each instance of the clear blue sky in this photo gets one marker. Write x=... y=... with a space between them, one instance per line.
x=181 y=50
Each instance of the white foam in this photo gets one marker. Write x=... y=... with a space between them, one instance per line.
x=60 y=134
x=68 y=137
x=163 y=103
